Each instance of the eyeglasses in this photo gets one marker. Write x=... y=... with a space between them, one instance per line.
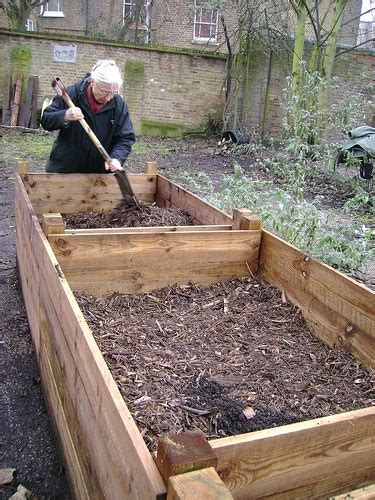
x=104 y=93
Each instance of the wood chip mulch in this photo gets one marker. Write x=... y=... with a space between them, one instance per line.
x=231 y=358
x=147 y=216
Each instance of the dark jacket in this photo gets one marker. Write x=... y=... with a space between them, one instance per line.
x=73 y=151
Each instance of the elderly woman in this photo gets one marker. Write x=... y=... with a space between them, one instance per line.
x=97 y=100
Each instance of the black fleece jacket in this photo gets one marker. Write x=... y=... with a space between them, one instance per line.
x=73 y=151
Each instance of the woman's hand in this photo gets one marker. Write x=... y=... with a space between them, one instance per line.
x=113 y=165
x=73 y=115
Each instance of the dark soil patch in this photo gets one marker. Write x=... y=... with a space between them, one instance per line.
x=27 y=441
x=145 y=216
x=191 y=357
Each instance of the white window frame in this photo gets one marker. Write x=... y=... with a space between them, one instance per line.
x=45 y=12
x=29 y=25
x=130 y=4
x=199 y=10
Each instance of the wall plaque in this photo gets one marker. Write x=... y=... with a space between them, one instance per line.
x=65 y=53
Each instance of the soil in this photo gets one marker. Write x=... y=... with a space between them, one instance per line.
x=228 y=359
x=143 y=216
x=27 y=441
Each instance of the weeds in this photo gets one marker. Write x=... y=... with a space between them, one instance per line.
x=289 y=216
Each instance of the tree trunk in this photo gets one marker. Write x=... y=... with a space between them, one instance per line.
x=330 y=52
x=299 y=45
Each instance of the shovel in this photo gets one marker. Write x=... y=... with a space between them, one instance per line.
x=129 y=199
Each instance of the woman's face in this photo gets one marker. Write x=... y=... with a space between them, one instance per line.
x=104 y=92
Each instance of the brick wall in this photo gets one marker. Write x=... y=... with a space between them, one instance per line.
x=174 y=88
x=180 y=89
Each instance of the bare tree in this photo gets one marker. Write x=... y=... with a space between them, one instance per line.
x=19 y=11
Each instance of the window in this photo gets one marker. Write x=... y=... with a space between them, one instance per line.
x=130 y=6
x=205 y=22
x=53 y=8
x=29 y=25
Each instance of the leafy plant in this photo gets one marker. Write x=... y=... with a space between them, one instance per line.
x=288 y=216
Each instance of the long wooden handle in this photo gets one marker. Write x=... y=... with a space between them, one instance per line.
x=61 y=91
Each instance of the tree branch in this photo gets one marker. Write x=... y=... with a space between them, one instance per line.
x=354 y=47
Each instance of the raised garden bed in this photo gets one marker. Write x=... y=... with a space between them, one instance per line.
x=104 y=449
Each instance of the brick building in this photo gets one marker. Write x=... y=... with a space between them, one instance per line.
x=178 y=23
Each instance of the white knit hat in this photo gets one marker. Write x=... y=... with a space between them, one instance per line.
x=106 y=71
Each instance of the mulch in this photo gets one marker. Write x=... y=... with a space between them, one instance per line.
x=227 y=359
x=147 y=216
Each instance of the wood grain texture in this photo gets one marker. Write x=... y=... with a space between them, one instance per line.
x=72 y=193
x=340 y=310
x=104 y=452
x=170 y=194
x=201 y=484
x=130 y=263
x=154 y=229
x=305 y=460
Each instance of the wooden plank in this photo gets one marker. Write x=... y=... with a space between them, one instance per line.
x=117 y=453
x=184 y=452
x=21 y=115
x=245 y=219
x=305 y=460
x=132 y=263
x=34 y=102
x=7 y=85
x=29 y=100
x=340 y=310
x=365 y=493
x=170 y=194
x=205 y=484
x=154 y=229
x=26 y=247
x=16 y=101
x=72 y=193
x=52 y=224
x=61 y=409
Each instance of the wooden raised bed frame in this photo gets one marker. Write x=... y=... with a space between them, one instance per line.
x=104 y=452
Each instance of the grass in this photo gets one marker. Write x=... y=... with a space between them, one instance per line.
x=17 y=146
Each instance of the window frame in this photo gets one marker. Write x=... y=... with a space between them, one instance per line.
x=199 y=10
x=45 y=12
x=144 y=20
x=29 y=25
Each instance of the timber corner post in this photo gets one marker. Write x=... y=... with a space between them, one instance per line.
x=53 y=224
x=23 y=167
x=151 y=168
x=245 y=219
x=188 y=465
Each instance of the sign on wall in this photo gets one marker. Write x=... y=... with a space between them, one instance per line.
x=65 y=53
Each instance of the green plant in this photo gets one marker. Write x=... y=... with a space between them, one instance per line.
x=288 y=216
x=301 y=113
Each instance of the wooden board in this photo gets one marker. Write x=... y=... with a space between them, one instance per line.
x=155 y=229
x=34 y=103
x=16 y=101
x=170 y=194
x=5 y=116
x=305 y=460
x=104 y=452
x=139 y=262
x=340 y=310
x=72 y=193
